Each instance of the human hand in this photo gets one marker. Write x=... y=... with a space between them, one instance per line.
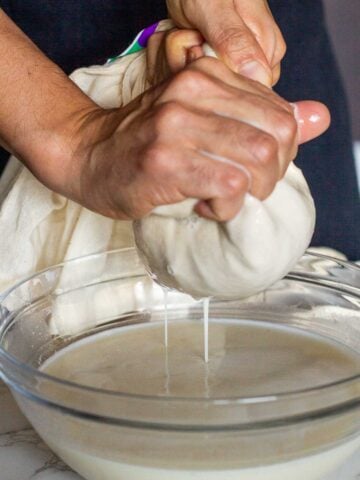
x=243 y=33
x=160 y=149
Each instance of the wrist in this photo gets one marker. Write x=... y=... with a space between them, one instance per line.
x=57 y=154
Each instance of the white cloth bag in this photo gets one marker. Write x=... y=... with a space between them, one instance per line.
x=38 y=227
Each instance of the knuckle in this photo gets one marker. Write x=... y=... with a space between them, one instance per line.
x=156 y=160
x=235 y=182
x=265 y=149
x=170 y=115
x=191 y=81
x=286 y=127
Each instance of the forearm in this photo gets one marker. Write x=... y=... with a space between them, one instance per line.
x=41 y=110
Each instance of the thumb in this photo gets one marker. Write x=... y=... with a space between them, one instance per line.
x=313 y=119
x=238 y=47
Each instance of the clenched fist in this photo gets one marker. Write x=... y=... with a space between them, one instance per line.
x=205 y=133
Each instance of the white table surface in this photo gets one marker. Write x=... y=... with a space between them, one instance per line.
x=23 y=456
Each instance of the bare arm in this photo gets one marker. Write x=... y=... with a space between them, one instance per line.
x=40 y=108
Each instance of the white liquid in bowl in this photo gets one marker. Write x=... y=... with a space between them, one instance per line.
x=314 y=467
x=246 y=359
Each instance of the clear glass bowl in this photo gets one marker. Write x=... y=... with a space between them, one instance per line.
x=303 y=434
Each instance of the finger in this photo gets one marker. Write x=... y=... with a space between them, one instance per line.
x=266 y=31
x=197 y=51
x=232 y=100
x=220 y=210
x=179 y=44
x=208 y=77
x=232 y=186
x=245 y=147
x=186 y=173
x=235 y=43
x=313 y=119
x=268 y=133
x=248 y=130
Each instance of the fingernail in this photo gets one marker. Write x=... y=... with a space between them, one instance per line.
x=256 y=71
x=208 y=51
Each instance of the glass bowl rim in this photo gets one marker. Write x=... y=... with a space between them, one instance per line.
x=260 y=399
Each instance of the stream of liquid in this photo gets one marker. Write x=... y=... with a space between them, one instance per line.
x=206 y=304
x=166 y=324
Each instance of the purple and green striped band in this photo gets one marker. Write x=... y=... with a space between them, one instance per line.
x=140 y=42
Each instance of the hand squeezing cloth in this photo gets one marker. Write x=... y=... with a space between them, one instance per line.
x=39 y=228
